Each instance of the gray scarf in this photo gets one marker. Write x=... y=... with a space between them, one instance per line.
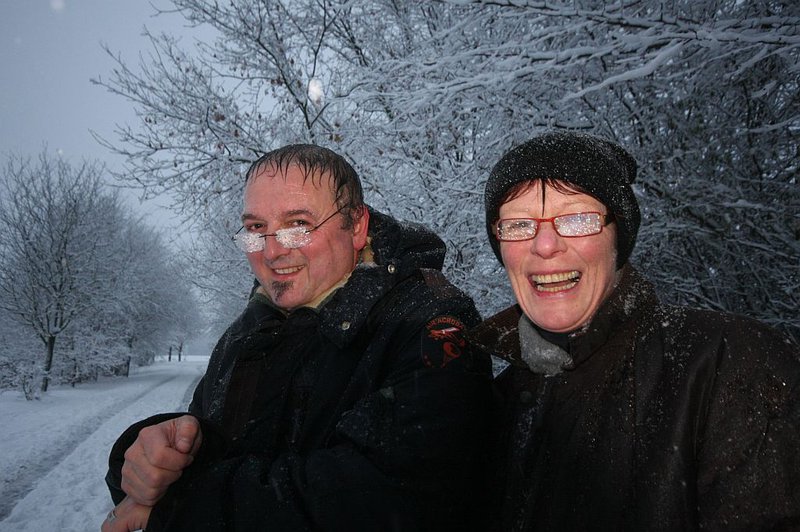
x=540 y=355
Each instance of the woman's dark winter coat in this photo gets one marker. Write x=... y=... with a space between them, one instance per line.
x=365 y=414
x=665 y=419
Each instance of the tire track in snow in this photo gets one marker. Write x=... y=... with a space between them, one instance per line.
x=187 y=397
x=24 y=480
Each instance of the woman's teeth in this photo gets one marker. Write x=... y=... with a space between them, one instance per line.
x=555 y=282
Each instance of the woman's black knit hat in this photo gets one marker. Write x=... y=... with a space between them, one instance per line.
x=597 y=166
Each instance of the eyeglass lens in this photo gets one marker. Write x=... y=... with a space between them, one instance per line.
x=568 y=225
x=290 y=238
x=579 y=224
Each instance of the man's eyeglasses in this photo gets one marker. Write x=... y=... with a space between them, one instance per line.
x=570 y=225
x=290 y=238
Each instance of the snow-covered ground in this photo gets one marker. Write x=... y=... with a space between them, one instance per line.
x=54 y=451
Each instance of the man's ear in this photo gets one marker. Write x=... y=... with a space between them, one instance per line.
x=360 y=227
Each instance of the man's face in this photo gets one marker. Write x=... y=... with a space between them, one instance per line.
x=559 y=282
x=299 y=277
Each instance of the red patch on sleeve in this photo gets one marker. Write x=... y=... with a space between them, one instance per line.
x=443 y=343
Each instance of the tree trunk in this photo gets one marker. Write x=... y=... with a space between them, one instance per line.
x=48 y=361
x=169 y=356
x=180 y=350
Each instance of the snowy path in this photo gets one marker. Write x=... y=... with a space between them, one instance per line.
x=53 y=452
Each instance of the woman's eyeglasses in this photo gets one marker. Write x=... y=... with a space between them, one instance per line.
x=570 y=225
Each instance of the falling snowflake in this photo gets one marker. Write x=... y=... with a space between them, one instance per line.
x=315 y=92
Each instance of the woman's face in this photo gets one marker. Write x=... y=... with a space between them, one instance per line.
x=559 y=282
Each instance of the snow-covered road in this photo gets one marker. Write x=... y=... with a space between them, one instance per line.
x=53 y=452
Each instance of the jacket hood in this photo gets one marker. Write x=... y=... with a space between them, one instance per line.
x=406 y=245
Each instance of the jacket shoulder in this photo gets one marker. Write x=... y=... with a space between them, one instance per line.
x=702 y=326
x=428 y=293
x=735 y=353
x=427 y=316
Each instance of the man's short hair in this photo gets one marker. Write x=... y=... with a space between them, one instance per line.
x=316 y=162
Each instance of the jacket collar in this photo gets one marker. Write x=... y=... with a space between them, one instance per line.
x=499 y=334
x=632 y=296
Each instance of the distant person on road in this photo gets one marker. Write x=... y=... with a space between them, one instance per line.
x=621 y=413
x=343 y=398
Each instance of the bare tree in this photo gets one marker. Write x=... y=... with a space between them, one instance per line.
x=76 y=266
x=425 y=96
x=219 y=270
x=54 y=256
x=158 y=297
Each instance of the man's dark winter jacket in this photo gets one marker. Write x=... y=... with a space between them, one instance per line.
x=665 y=419
x=365 y=414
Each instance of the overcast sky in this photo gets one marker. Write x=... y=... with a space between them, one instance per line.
x=49 y=52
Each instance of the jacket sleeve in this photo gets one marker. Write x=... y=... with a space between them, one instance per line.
x=213 y=444
x=403 y=458
x=749 y=466
x=117 y=456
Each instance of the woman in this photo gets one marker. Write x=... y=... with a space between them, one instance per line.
x=620 y=413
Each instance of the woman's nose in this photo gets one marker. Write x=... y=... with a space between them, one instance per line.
x=547 y=242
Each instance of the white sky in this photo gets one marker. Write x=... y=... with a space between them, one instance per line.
x=49 y=51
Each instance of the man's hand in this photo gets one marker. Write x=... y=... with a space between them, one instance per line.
x=158 y=457
x=126 y=517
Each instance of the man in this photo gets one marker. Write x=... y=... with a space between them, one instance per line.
x=343 y=398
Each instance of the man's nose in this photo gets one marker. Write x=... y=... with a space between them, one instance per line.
x=273 y=249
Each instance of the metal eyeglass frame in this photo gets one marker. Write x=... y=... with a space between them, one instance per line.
x=290 y=238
